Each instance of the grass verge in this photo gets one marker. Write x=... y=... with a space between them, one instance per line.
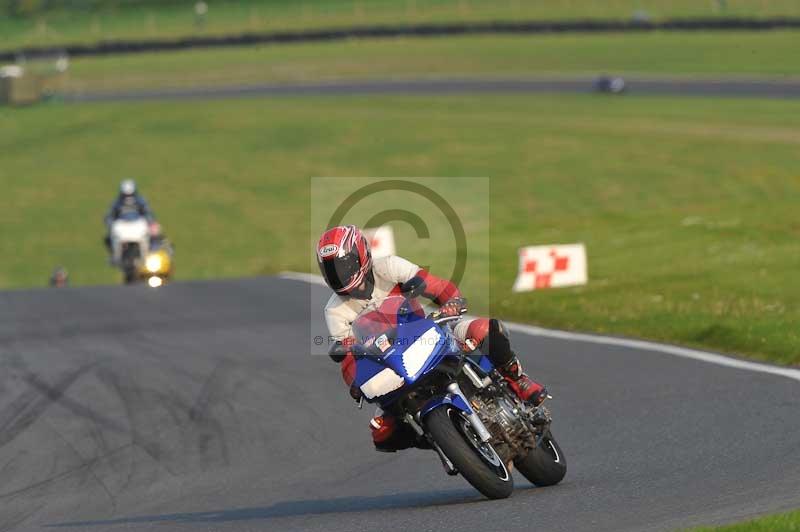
x=699 y=54
x=688 y=206
x=789 y=522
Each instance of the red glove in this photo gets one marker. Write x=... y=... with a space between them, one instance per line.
x=340 y=349
x=454 y=307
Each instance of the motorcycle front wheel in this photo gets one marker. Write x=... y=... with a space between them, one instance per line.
x=129 y=276
x=544 y=465
x=477 y=461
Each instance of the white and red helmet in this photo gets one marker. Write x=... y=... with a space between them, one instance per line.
x=344 y=258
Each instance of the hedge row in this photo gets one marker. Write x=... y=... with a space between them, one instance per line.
x=413 y=30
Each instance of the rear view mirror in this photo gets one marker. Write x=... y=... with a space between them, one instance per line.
x=338 y=351
x=359 y=350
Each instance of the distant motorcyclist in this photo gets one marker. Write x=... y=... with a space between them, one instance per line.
x=344 y=258
x=127 y=202
x=59 y=278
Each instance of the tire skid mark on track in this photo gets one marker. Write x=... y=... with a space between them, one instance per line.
x=290 y=388
x=200 y=413
x=153 y=347
x=6 y=466
x=75 y=407
x=131 y=397
x=200 y=429
x=89 y=463
x=194 y=435
x=201 y=434
x=62 y=475
x=30 y=405
x=20 y=517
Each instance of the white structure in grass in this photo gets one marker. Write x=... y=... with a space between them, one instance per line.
x=551 y=266
x=381 y=240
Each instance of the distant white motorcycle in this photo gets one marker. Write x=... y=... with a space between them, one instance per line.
x=130 y=244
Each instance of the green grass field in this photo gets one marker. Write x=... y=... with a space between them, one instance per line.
x=697 y=54
x=789 y=522
x=169 y=21
x=688 y=206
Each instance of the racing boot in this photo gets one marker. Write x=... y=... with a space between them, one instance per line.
x=526 y=389
x=382 y=427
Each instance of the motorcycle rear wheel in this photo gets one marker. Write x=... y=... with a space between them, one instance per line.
x=476 y=461
x=544 y=465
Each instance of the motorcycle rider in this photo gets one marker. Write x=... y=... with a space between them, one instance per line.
x=128 y=201
x=344 y=258
x=60 y=277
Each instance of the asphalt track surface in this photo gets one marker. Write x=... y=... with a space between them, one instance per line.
x=196 y=407
x=739 y=88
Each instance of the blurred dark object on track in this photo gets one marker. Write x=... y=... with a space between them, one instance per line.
x=610 y=84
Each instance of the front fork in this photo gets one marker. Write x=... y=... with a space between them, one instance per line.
x=480 y=429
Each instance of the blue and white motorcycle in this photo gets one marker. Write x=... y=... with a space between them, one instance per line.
x=457 y=404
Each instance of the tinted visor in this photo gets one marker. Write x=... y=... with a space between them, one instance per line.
x=339 y=271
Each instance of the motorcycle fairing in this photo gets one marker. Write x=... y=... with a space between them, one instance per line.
x=378 y=385
x=449 y=399
x=368 y=369
x=418 y=346
x=485 y=364
x=129 y=230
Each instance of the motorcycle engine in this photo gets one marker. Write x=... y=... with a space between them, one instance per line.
x=512 y=436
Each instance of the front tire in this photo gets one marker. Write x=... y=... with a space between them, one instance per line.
x=545 y=465
x=487 y=474
x=129 y=276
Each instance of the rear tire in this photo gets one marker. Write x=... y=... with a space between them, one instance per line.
x=493 y=481
x=545 y=465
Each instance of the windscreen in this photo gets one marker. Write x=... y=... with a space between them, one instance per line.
x=129 y=216
x=382 y=316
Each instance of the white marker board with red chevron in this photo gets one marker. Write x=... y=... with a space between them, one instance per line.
x=553 y=266
x=381 y=240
